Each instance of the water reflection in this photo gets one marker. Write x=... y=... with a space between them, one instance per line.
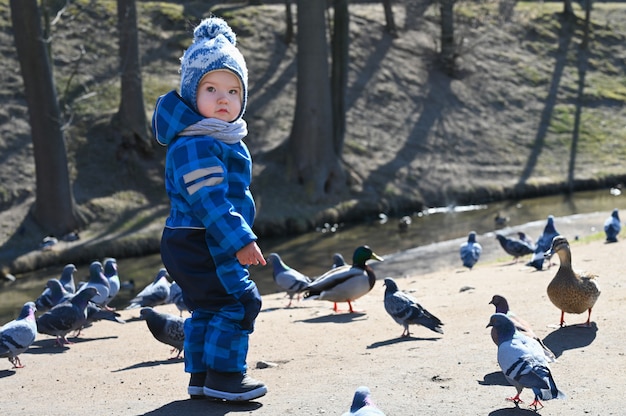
x=311 y=253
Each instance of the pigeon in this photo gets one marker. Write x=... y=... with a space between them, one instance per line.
x=288 y=279
x=405 y=310
x=362 y=404
x=526 y=239
x=513 y=246
x=67 y=278
x=67 y=316
x=111 y=274
x=571 y=291
x=338 y=260
x=523 y=362
x=345 y=283
x=98 y=281
x=156 y=293
x=502 y=306
x=543 y=245
x=166 y=328
x=470 y=251
x=53 y=294
x=18 y=335
x=176 y=297
x=612 y=227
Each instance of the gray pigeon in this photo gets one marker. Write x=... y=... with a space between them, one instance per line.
x=514 y=246
x=470 y=251
x=405 y=310
x=156 y=293
x=19 y=334
x=523 y=362
x=176 y=297
x=111 y=274
x=612 y=226
x=67 y=278
x=67 y=316
x=97 y=280
x=288 y=279
x=53 y=294
x=544 y=242
x=166 y=328
x=363 y=405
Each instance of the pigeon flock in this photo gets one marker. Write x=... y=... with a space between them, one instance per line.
x=65 y=307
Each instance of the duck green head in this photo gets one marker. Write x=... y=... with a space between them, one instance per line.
x=362 y=254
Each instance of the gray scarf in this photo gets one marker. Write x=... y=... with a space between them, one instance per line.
x=226 y=132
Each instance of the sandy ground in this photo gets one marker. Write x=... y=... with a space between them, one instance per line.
x=318 y=357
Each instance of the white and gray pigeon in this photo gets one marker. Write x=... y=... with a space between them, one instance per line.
x=53 y=294
x=18 y=335
x=67 y=278
x=405 y=310
x=288 y=279
x=470 y=251
x=612 y=226
x=156 y=293
x=166 y=328
x=176 y=297
x=523 y=362
x=111 y=273
x=544 y=242
x=66 y=317
x=98 y=281
x=363 y=404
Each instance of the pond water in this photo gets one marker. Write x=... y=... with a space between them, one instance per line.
x=311 y=253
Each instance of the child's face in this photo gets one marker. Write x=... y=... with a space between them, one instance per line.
x=219 y=96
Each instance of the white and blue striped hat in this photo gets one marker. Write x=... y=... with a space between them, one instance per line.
x=213 y=48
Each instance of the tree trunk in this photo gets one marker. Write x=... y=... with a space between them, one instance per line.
x=312 y=156
x=131 y=118
x=289 y=23
x=568 y=10
x=339 y=77
x=448 y=48
x=390 y=23
x=54 y=209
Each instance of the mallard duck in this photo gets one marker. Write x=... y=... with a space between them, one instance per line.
x=470 y=251
x=345 y=283
x=570 y=291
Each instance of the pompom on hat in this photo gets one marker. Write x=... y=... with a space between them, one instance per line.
x=213 y=48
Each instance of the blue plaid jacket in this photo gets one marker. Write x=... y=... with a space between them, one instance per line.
x=207 y=182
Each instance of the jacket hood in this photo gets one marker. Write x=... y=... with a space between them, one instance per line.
x=171 y=116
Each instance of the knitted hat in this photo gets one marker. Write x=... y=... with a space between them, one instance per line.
x=213 y=48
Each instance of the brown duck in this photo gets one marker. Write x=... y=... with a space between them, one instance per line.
x=569 y=290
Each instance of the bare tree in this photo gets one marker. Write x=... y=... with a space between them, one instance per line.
x=313 y=158
x=390 y=23
x=131 y=118
x=54 y=209
x=339 y=74
x=448 y=47
x=289 y=23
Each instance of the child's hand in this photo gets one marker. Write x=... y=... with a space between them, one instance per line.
x=251 y=255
